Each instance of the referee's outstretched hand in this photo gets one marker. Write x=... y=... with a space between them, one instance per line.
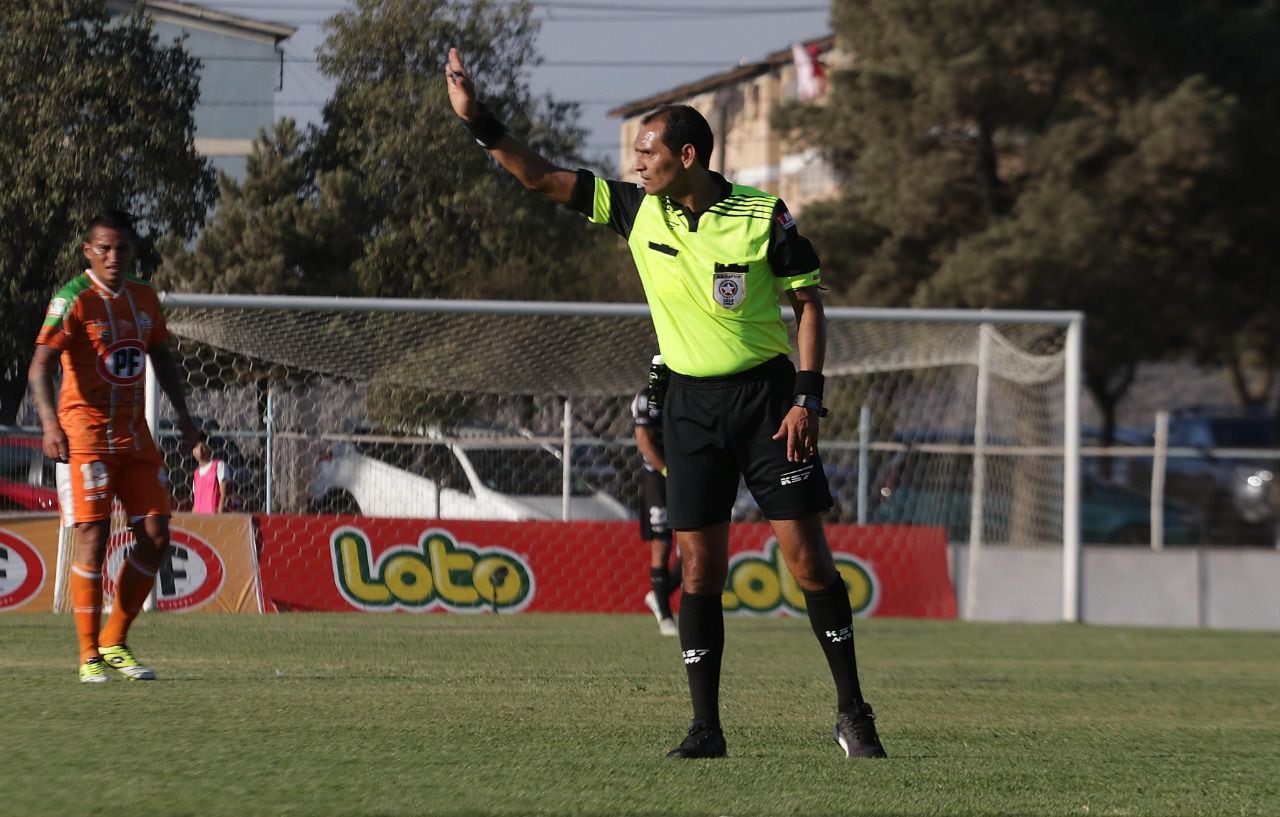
x=801 y=432
x=462 y=93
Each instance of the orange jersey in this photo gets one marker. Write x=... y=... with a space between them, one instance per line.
x=104 y=337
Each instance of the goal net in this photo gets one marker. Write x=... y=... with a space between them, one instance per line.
x=395 y=408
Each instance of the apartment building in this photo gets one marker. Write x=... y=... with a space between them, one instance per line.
x=241 y=71
x=737 y=103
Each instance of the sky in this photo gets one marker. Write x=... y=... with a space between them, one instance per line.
x=599 y=53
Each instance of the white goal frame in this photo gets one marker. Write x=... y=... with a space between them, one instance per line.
x=1071 y=322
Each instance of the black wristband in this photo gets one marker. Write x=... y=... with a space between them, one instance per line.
x=809 y=383
x=486 y=129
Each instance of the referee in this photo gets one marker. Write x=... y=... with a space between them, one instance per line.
x=714 y=259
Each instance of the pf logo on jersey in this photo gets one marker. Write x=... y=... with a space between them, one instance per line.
x=122 y=363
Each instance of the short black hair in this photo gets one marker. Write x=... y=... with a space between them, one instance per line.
x=685 y=126
x=117 y=220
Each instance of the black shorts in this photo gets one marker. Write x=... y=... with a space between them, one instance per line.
x=653 y=507
x=717 y=428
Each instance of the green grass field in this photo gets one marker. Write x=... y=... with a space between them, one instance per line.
x=334 y=714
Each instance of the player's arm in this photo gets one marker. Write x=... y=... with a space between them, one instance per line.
x=221 y=474
x=649 y=449
x=792 y=258
x=40 y=380
x=811 y=328
x=531 y=169
x=166 y=371
x=800 y=425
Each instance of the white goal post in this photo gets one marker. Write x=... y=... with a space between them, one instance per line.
x=974 y=411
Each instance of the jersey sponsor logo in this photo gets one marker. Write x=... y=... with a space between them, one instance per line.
x=784 y=218
x=58 y=307
x=759 y=583
x=144 y=320
x=190 y=576
x=22 y=571
x=729 y=289
x=123 y=362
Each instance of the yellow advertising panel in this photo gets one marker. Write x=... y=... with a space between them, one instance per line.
x=212 y=564
x=28 y=559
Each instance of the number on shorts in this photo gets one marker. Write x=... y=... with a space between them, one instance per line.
x=95 y=476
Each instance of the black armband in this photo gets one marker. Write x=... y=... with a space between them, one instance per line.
x=486 y=129
x=809 y=383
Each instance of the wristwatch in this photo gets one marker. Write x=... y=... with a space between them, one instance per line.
x=810 y=403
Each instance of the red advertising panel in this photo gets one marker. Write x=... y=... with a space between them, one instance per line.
x=418 y=565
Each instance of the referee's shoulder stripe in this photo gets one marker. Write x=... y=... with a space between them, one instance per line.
x=745 y=207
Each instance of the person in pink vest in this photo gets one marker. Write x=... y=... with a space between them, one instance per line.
x=209 y=483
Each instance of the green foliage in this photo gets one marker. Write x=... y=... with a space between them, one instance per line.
x=449 y=223
x=285 y=231
x=391 y=197
x=93 y=115
x=1098 y=156
x=534 y=714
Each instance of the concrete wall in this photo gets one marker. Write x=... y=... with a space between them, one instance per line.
x=1186 y=587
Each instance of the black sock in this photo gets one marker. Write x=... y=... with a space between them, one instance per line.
x=661 y=590
x=832 y=620
x=702 y=646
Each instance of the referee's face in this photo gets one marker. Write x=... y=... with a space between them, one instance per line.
x=661 y=171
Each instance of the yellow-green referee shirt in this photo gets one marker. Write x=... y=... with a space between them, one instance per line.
x=713 y=279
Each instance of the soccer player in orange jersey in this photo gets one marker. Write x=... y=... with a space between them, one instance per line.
x=102 y=325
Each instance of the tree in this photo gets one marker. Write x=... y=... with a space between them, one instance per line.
x=285 y=231
x=93 y=115
x=447 y=221
x=389 y=196
x=1117 y=220
x=1056 y=156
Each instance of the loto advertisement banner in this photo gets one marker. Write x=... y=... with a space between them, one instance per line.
x=338 y=563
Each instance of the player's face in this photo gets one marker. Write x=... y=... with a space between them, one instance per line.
x=661 y=170
x=110 y=254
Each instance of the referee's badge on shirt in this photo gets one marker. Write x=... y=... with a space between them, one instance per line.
x=729 y=288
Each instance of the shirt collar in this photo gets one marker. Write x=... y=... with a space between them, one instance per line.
x=100 y=284
x=724 y=189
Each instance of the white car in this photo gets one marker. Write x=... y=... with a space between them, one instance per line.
x=468 y=475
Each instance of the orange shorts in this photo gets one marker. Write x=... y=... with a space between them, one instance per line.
x=137 y=479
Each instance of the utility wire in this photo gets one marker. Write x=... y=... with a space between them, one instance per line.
x=728 y=10
x=544 y=64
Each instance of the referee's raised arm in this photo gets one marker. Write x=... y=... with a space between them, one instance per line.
x=533 y=171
